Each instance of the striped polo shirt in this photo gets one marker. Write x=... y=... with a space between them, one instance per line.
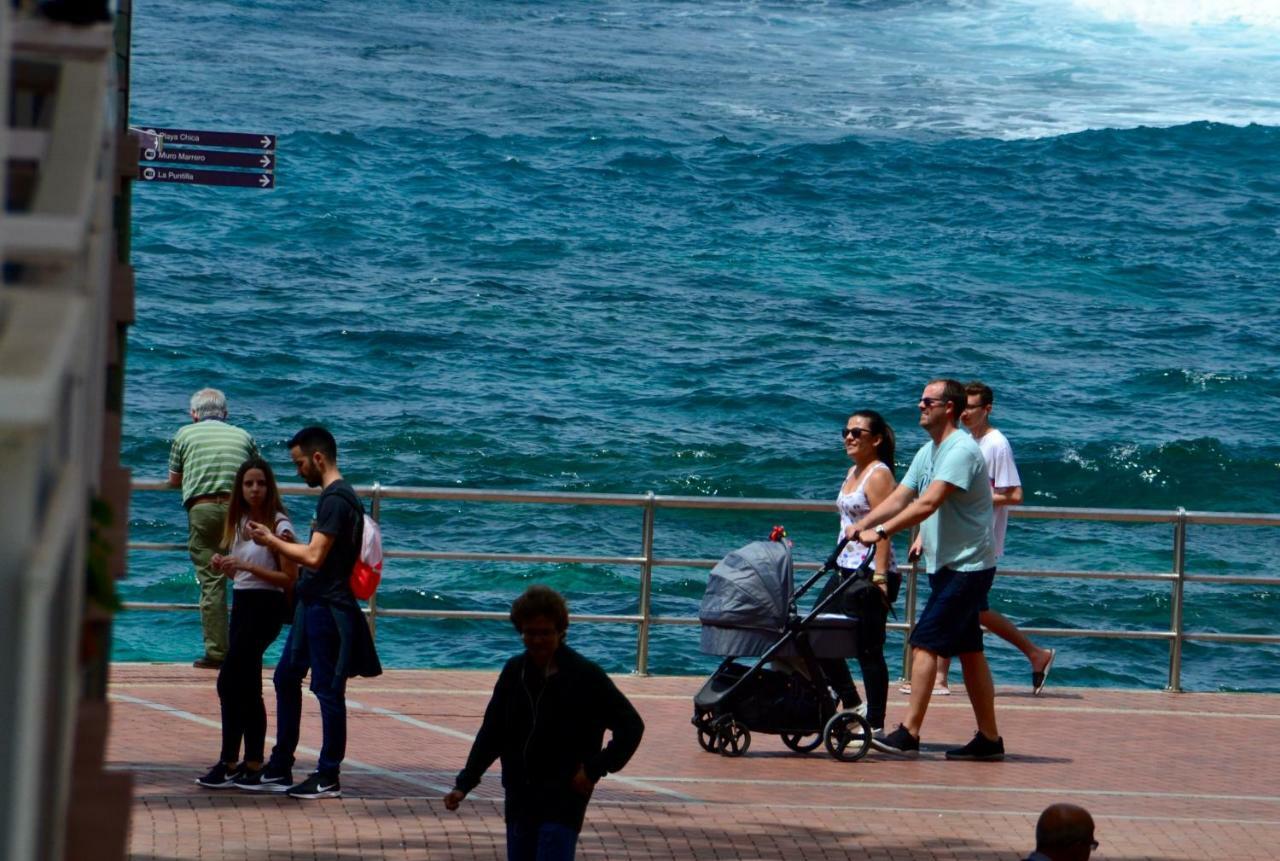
x=207 y=453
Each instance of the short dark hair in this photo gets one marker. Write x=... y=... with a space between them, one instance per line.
x=986 y=397
x=539 y=600
x=313 y=439
x=952 y=393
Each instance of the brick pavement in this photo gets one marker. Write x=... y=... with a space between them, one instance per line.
x=1167 y=776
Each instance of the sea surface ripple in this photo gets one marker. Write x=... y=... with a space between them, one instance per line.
x=634 y=246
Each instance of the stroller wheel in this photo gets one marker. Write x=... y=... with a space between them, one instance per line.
x=706 y=732
x=848 y=736
x=732 y=738
x=800 y=742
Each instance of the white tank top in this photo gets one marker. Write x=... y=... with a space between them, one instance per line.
x=853 y=506
x=255 y=554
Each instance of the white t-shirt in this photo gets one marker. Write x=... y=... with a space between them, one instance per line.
x=1003 y=473
x=255 y=554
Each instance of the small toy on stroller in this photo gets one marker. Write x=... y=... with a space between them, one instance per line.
x=750 y=609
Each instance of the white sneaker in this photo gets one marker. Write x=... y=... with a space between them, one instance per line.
x=860 y=710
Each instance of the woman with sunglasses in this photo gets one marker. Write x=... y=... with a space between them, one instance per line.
x=869 y=443
x=257 y=614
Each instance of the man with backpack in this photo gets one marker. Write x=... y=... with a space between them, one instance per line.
x=329 y=637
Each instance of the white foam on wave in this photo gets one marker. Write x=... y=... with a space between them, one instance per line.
x=1187 y=13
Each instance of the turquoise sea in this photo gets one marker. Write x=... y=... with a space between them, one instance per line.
x=632 y=245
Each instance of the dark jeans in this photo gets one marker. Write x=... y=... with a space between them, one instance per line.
x=319 y=638
x=255 y=624
x=540 y=841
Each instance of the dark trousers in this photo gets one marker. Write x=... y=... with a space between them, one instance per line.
x=540 y=841
x=873 y=616
x=316 y=634
x=255 y=624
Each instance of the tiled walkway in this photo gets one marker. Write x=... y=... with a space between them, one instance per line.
x=1167 y=776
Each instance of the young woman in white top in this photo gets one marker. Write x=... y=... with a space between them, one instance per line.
x=869 y=443
x=262 y=583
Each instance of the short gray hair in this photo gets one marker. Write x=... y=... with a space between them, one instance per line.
x=209 y=404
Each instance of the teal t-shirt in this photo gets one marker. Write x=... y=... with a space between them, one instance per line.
x=958 y=534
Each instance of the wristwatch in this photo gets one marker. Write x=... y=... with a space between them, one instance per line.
x=879 y=530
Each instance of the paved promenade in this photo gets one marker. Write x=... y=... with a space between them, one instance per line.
x=1189 y=776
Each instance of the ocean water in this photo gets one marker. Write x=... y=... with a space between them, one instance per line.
x=669 y=246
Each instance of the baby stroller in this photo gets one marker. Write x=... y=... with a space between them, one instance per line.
x=750 y=609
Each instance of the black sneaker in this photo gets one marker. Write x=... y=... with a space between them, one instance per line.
x=316 y=786
x=268 y=779
x=900 y=742
x=220 y=777
x=980 y=748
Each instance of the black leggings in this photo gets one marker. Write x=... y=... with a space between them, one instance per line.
x=256 y=618
x=873 y=616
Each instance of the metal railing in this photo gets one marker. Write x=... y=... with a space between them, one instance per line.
x=649 y=503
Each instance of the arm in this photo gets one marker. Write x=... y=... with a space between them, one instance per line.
x=878 y=488
x=625 y=726
x=899 y=499
x=284 y=577
x=487 y=746
x=1007 y=495
x=307 y=555
x=175 y=479
x=917 y=511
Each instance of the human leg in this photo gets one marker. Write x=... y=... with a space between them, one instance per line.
x=981 y=691
x=204 y=537
x=556 y=842
x=232 y=682
x=265 y=607
x=841 y=681
x=287 y=681
x=329 y=687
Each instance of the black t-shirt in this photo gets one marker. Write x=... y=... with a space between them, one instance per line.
x=339 y=515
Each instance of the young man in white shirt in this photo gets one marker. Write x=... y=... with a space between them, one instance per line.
x=1006 y=490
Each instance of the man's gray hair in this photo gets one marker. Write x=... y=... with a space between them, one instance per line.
x=209 y=404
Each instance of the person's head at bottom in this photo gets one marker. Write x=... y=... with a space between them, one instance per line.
x=1064 y=832
x=541 y=616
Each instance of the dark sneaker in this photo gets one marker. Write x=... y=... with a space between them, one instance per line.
x=316 y=786
x=268 y=779
x=898 y=743
x=980 y=749
x=220 y=777
x=207 y=663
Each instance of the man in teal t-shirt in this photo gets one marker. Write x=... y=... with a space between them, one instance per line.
x=947 y=492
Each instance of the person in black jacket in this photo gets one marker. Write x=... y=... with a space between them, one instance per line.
x=546 y=720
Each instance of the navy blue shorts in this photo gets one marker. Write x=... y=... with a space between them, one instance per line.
x=949 y=624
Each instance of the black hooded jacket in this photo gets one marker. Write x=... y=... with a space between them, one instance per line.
x=544 y=729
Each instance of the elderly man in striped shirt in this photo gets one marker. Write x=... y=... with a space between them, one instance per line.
x=203 y=462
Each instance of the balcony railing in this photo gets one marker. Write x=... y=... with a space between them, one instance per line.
x=649 y=504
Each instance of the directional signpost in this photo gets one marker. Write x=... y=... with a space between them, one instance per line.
x=182 y=156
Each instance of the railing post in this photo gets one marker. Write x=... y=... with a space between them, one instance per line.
x=909 y=611
x=646 y=583
x=375 y=511
x=1175 y=601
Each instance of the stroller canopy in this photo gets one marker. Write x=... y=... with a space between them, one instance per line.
x=745 y=606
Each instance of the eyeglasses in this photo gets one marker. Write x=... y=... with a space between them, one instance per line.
x=930 y=403
x=856 y=433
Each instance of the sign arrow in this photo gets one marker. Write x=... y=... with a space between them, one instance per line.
x=195 y=137
x=208 y=158
x=191 y=176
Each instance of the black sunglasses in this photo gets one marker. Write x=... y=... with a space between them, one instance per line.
x=856 y=433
